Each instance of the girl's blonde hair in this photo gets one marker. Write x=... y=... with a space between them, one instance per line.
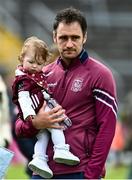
x=39 y=47
x=54 y=53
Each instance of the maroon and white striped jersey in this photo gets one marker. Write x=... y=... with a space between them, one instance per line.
x=27 y=92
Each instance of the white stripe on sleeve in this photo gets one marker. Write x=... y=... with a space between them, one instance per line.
x=26 y=104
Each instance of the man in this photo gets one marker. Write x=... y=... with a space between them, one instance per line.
x=127 y=122
x=5 y=126
x=86 y=90
x=5 y=130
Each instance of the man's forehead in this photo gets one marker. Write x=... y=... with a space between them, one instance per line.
x=73 y=28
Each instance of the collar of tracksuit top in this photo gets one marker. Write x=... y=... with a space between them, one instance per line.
x=39 y=77
x=83 y=56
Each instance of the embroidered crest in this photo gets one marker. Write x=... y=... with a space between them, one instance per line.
x=20 y=86
x=77 y=85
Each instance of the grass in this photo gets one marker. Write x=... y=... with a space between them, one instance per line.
x=17 y=171
x=119 y=172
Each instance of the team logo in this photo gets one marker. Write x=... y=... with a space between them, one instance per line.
x=77 y=85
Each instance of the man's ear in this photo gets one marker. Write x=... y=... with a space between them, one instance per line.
x=54 y=36
x=85 y=38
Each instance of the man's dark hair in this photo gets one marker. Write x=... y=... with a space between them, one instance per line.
x=68 y=16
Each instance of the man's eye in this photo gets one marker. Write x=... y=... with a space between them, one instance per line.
x=75 y=38
x=63 y=38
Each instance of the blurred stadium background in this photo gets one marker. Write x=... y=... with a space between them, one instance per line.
x=109 y=32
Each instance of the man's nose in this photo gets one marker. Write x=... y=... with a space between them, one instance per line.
x=69 y=43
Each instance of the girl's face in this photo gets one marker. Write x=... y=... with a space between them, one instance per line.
x=30 y=64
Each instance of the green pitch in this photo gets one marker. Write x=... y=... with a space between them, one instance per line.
x=18 y=172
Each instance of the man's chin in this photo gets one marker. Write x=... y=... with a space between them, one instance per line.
x=70 y=56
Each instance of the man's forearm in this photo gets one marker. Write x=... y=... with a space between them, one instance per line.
x=25 y=128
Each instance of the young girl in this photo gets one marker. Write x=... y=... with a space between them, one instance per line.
x=29 y=93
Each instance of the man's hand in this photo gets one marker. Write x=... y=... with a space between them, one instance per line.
x=49 y=119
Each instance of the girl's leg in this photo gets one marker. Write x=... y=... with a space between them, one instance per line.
x=42 y=143
x=39 y=163
x=62 y=152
